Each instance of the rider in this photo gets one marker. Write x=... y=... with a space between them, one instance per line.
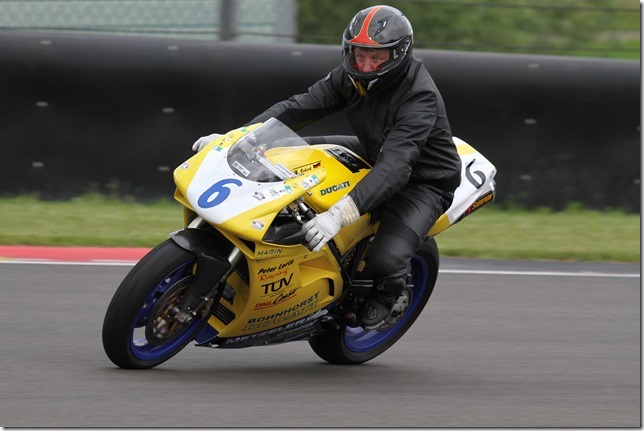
x=399 y=119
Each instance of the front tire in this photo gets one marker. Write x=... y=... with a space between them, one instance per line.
x=350 y=346
x=138 y=331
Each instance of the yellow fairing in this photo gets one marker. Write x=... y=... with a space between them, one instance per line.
x=287 y=283
x=334 y=179
x=262 y=216
x=339 y=180
x=185 y=173
x=292 y=284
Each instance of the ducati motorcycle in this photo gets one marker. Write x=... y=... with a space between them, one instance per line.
x=239 y=273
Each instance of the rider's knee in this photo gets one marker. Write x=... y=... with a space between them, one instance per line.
x=383 y=265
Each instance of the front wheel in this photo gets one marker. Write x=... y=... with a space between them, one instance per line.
x=350 y=346
x=139 y=330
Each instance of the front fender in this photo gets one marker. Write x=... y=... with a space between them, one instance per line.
x=211 y=266
x=195 y=240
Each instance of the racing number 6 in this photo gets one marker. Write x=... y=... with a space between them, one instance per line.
x=219 y=191
x=470 y=177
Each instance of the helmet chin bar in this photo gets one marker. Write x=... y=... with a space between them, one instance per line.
x=361 y=89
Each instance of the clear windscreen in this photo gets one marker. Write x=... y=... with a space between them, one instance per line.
x=247 y=157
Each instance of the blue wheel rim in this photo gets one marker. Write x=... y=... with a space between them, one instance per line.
x=141 y=348
x=358 y=340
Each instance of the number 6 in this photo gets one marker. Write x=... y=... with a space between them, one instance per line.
x=219 y=189
x=470 y=177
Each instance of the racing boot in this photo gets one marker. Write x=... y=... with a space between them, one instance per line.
x=380 y=302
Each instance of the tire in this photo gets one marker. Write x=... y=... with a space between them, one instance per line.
x=147 y=293
x=351 y=346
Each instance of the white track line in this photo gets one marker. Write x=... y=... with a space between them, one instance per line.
x=543 y=273
x=443 y=271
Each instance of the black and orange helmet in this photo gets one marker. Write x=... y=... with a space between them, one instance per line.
x=378 y=27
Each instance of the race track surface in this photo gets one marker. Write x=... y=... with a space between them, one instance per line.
x=501 y=344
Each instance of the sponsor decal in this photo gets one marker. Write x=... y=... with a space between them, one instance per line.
x=241 y=168
x=280 y=191
x=293 y=328
x=185 y=166
x=257 y=224
x=259 y=196
x=281 y=316
x=269 y=252
x=335 y=188
x=309 y=182
x=479 y=203
x=306 y=168
x=277 y=274
x=276 y=286
x=275 y=268
x=486 y=198
x=281 y=297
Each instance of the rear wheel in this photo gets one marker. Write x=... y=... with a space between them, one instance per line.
x=355 y=345
x=138 y=330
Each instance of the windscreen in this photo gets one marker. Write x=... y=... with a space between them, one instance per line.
x=247 y=157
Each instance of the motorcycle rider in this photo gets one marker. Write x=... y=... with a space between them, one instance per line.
x=401 y=128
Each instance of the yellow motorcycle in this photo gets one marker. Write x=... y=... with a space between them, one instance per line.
x=239 y=273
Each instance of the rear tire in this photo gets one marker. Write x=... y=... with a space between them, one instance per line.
x=136 y=332
x=351 y=346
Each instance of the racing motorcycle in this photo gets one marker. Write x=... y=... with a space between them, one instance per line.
x=239 y=273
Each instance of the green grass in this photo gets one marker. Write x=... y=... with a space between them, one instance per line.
x=493 y=232
x=574 y=234
x=87 y=221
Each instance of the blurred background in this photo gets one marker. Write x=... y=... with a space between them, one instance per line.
x=107 y=96
x=597 y=28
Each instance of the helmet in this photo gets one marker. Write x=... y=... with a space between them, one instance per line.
x=378 y=27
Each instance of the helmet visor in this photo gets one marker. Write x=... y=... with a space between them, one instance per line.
x=369 y=63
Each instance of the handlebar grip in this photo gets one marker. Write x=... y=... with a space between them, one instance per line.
x=306 y=211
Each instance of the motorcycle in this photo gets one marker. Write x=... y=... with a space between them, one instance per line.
x=239 y=273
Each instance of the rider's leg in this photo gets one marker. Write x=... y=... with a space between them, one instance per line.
x=405 y=221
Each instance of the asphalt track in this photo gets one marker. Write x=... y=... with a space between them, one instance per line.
x=501 y=344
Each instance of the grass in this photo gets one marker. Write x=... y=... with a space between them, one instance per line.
x=87 y=221
x=575 y=234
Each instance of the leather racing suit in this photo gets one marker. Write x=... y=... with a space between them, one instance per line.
x=404 y=133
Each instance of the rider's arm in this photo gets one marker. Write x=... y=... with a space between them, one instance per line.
x=322 y=99
x=400 y=151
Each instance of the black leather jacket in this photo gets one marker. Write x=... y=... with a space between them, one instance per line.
x=403 y=127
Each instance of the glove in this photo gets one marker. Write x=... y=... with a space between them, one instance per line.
x=324 y=226
x=203 y=141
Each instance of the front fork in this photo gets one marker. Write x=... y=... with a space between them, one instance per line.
x=206 y=287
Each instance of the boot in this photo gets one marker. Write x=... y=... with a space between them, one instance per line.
x=376 y=307
x=380 y=302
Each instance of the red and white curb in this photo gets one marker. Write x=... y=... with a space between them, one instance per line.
x=129 y=256
x=72 y=255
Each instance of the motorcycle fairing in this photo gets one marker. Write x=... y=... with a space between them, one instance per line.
x=206 y=181
x=287 y=282
x=300 y=329
x=214 y=186
x=477 y=187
